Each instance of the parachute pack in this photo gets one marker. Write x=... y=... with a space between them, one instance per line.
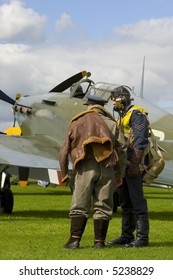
x=154 y=162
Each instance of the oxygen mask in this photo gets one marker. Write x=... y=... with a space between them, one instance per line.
x=118 y=105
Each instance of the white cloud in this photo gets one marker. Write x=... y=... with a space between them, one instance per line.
x=153 y=31
x=18 y=24
x=64 y=23
x=66 y=30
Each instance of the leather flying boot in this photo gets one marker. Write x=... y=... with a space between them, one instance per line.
x=122 y=239
x=73 y=242
x=78 y=224
x=128 y=227
x=142 y=233
x=100 y=231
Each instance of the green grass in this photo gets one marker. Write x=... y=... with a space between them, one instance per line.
x=39 y=227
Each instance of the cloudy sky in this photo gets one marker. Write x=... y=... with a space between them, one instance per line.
x=43 y=42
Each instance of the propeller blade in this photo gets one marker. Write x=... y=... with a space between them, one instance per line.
x=69 y=82
x=6 y=98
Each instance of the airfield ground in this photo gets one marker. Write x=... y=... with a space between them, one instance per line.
x=39 y=226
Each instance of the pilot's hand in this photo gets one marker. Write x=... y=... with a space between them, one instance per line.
x=133 y=170
x=66 y=179
x=118 y=182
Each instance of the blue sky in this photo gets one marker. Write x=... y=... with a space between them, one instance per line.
x=99 y=17
x=106 y=13
x=43 y=42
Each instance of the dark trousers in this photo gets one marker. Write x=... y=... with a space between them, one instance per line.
x=131 y=196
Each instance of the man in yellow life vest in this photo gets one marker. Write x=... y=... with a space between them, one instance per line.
x=134 y=124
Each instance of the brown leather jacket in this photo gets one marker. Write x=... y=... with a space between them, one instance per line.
x=119 y=142
x=88 y=129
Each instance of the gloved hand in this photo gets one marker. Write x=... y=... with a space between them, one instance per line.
x=118 y=182
x=134 y=170
x=65 y=180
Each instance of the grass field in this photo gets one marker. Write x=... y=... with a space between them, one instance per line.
x=39 y=227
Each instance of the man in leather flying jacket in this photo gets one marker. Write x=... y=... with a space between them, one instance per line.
x=98 y=153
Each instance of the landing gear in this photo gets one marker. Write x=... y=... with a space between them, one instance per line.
x=6 y=195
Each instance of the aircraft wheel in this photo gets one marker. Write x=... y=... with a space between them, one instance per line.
x=2 y=202
x=6 y=200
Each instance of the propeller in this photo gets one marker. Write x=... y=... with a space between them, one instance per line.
x=6 y=98
x=69 y=82
x=16 y=108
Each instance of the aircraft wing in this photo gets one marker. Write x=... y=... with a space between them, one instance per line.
x=167 y=146
x=165 y=177
x=38 y=151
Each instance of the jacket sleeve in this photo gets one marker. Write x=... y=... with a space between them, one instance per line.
x=139 y=125
x=63 y=156
x=121 y=149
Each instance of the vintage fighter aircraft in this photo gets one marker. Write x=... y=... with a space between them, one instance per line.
x=43 y=121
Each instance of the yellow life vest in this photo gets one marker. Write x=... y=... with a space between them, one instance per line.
x=125 y=127
x=124 y=122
